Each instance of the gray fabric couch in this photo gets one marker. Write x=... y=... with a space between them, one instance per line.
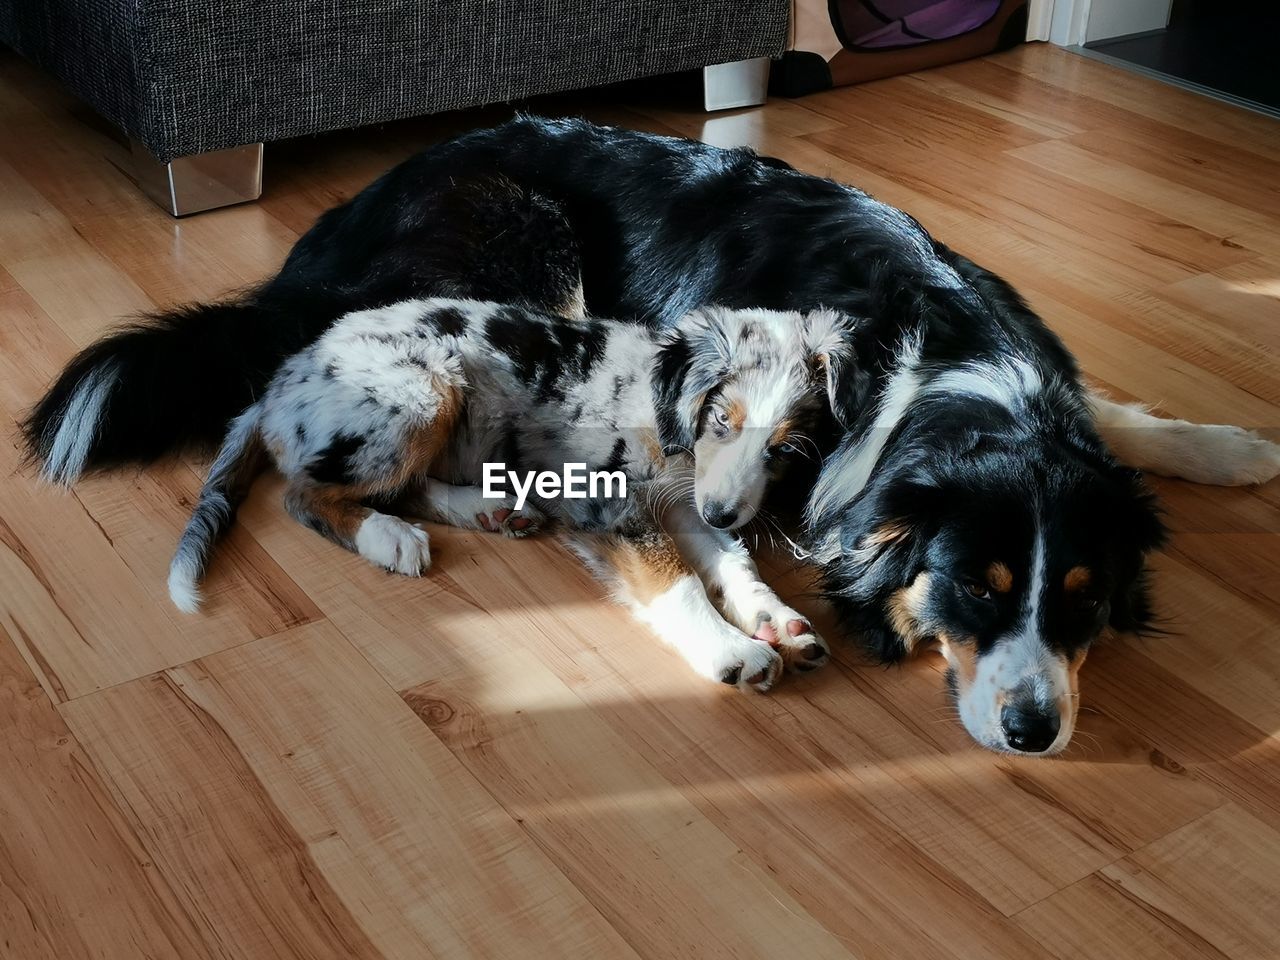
x=186 y=77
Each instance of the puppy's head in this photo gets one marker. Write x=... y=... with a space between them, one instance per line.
x=740 y=391
x=1010 y=556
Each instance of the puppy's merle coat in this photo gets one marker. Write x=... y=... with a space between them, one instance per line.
x=397 y=409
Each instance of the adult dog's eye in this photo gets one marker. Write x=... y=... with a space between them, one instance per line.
x=976 y=589
x=1088 y=604
x=719 y=421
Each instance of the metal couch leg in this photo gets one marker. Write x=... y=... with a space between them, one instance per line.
x=742 y=83
x=204 y=181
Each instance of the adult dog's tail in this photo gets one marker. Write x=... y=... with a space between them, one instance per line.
x=174 y=380
x=229 y=480
x=168 y=382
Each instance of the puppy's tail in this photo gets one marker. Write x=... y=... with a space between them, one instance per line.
x=168 y=382
x=1209 y=453
x=228 y=483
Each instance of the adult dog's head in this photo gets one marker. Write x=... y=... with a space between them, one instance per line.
x=987 y=518
x=741 y=391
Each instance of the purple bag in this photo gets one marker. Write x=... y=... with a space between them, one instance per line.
x=838 y=42
x=864 y=24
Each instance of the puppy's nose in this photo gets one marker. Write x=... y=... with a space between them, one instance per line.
x=1029 y=730
x=719 y=515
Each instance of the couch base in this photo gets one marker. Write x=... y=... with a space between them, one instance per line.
x=201 y=182
x=222 y=178
x=741 y=83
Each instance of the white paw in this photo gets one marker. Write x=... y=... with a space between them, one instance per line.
x=760 y=613
x=792 y=635
x=1232 y=457
x=394 y=545
x=743 y=661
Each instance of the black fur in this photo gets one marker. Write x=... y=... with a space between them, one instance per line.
x=332 y=465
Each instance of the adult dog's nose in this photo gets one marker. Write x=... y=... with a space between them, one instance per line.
x=1029 y=730
x=719 y=515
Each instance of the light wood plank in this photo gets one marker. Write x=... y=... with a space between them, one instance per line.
x=74 y=880
x=283 y=786
x=1217 y=876
x=610 y=807
x=1068 y=77
x=1096 y=918
x=80 y=632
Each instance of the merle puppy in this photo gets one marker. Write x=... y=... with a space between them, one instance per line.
x=398 y=409
x=966 y=498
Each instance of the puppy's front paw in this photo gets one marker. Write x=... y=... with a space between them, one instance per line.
x=793 y=636
x=394 y=545
x=750 y=663
x=510 y=522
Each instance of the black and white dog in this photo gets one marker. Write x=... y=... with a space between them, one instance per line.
x=965 y=497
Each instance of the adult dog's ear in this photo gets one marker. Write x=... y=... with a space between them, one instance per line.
x=882 y=530
x=1137 y=530
x=883 y=540
x=691 y=361
x=829 y=344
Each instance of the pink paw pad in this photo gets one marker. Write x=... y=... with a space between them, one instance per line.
x=767 y=633
x=797 y=627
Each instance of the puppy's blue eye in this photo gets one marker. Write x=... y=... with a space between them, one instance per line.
x=787 y=448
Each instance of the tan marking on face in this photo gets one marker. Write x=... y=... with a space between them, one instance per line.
x=1077 y=578
x=735 y=412
x=1000 y=577
x=647 y=570
x=905 y=609
x=781 y=432
x=1069 y=702
x=652 y=447
x=1073 y=671
x=888 y=533
x=962 y=657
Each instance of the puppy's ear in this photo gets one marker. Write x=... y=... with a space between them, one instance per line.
x=829 y=344
x=692 y=360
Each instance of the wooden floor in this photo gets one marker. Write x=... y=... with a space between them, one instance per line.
x=494 y=762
